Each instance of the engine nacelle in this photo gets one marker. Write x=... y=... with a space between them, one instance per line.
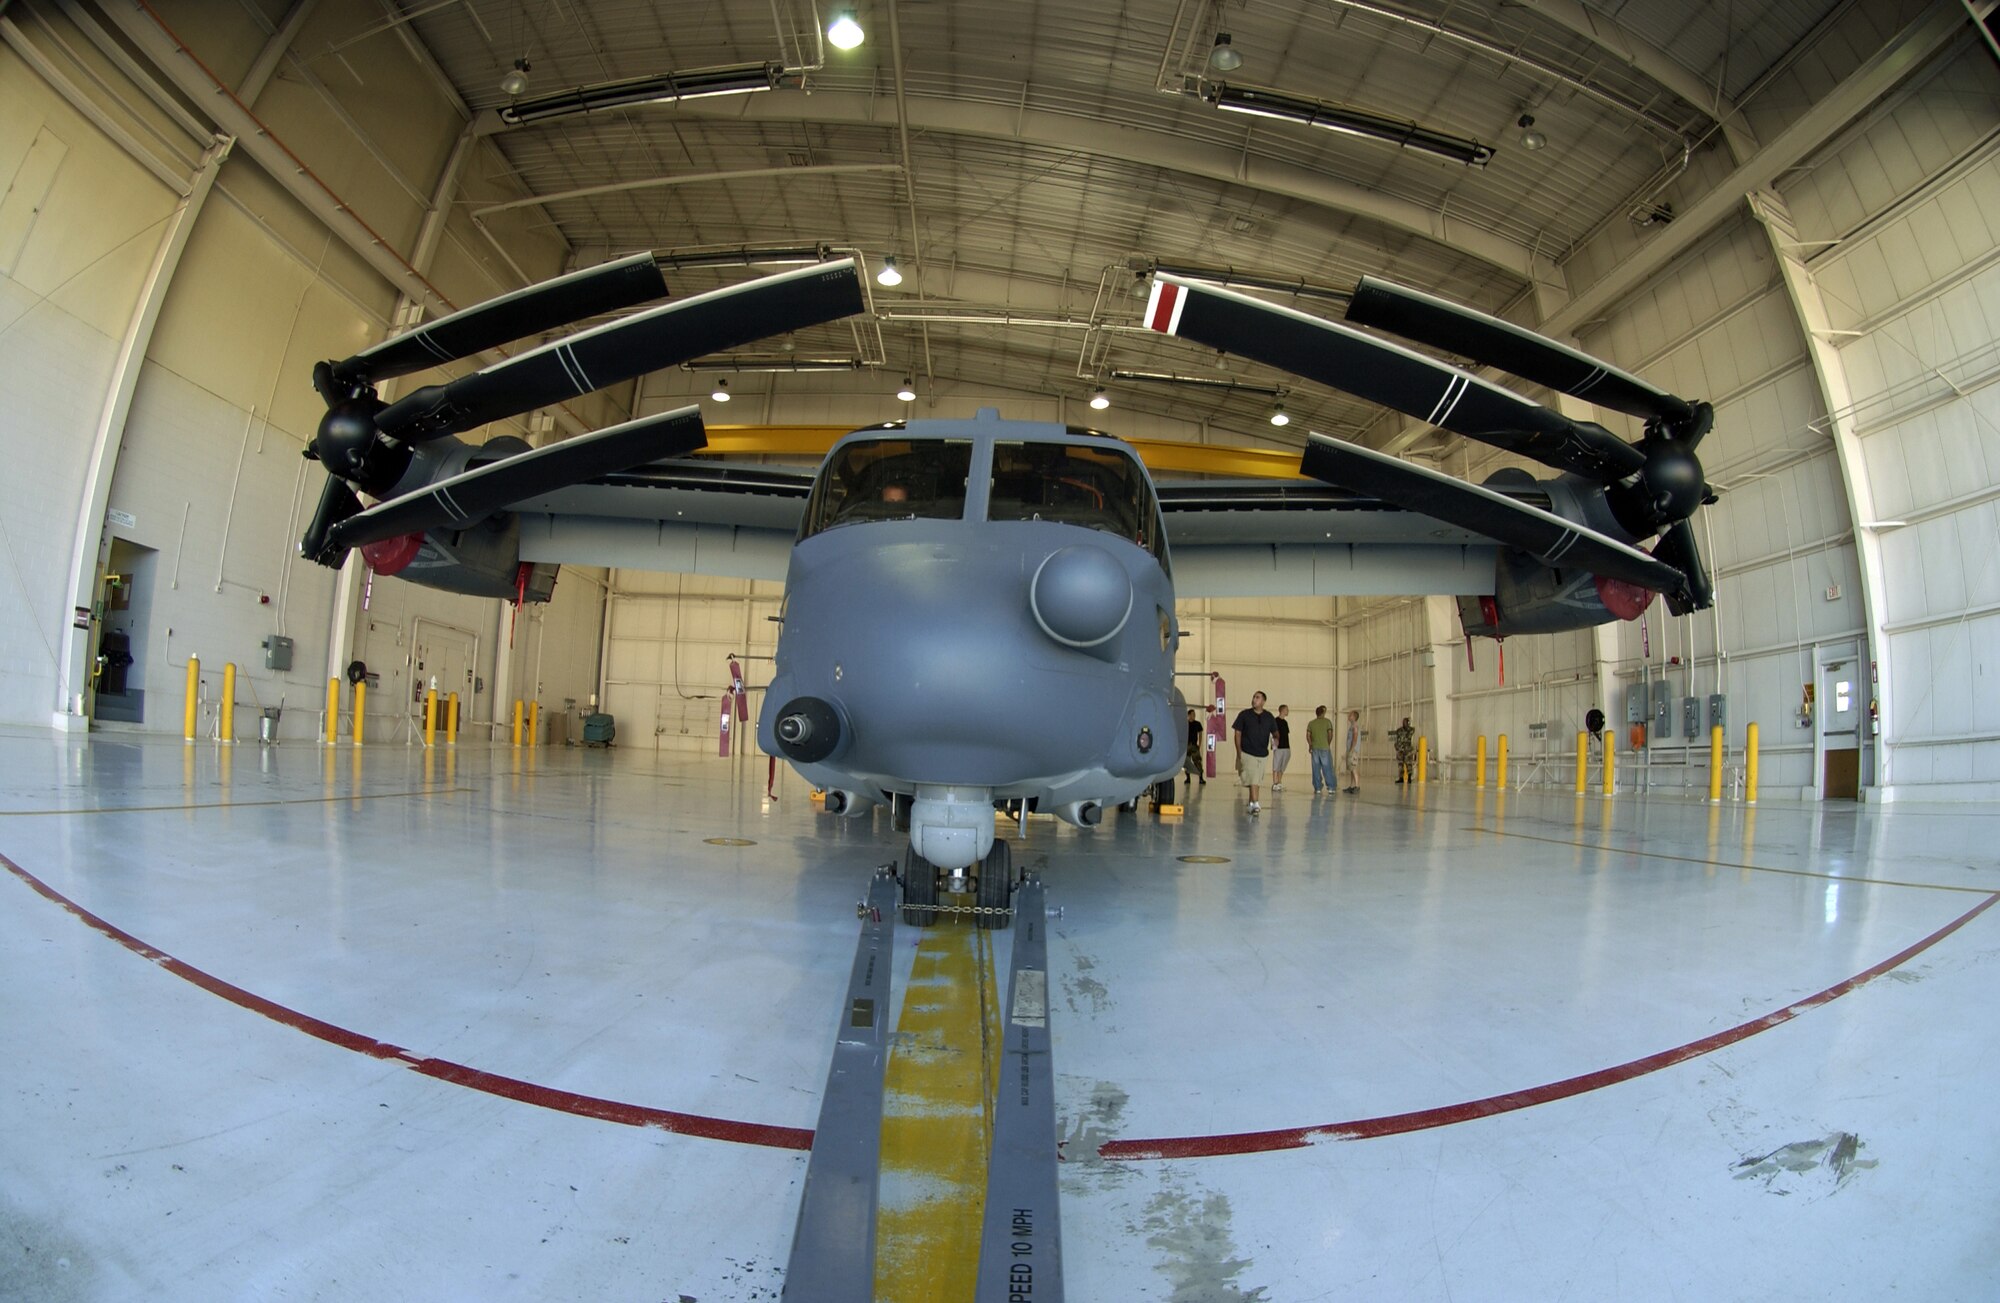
x=1530 y=596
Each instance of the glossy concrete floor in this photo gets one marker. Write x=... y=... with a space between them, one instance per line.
x=299 y=1024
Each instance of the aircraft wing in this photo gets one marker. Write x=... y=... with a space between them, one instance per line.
x=1241 y=538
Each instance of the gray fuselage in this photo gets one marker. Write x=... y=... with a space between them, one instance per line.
x=1007 y=637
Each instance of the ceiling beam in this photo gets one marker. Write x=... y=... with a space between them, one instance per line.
x=1158 y=149
x=1647 y=59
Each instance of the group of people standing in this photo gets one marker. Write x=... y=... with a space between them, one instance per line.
x=1263 y=744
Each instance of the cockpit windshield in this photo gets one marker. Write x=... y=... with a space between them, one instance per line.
x=1100 y=488
x=891 y=479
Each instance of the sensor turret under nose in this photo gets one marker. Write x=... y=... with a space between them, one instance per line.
x=808 y=730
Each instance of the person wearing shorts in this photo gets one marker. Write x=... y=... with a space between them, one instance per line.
x=1252 y=732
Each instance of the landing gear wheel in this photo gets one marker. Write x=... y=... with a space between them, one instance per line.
x=919 y=889
x=1163 y=793
x=996 y=886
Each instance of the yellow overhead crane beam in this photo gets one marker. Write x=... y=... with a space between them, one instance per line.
x=1160 y=455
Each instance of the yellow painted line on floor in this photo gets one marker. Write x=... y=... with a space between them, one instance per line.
x=937 y=1120
x=234 y=805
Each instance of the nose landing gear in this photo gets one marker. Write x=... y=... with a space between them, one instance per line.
x=992 y=890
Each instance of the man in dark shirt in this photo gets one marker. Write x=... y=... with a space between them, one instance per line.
x=1281 y=749
x=1196 y=753
x=1252 y=734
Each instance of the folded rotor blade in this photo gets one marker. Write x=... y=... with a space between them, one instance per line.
x=337 y=502
x=1489 y=340
x=547 y=306
x=1542 y=534
x=1676 y=548
x=1386 y=373
x=662 y=337
x=461 y=499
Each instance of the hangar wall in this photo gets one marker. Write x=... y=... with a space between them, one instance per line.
x=1892 y=222
x=209 y=490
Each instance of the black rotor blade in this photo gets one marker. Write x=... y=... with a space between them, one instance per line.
x=1544 y=535
x=662 y=337
x=530 y=311
x=1387 y=373
x=1489 y=340
x=461 y=499
x=1676 y=548
x=337 y=502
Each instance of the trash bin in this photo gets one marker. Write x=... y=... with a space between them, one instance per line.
x=267 y=725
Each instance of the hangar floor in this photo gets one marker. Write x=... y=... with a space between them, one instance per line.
x=309 y=1024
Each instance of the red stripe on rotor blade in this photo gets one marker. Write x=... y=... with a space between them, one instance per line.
x=1163 y=311
x=1257 y=1142
x=458 y=1074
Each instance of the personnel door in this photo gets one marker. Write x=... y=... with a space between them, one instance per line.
x=1840 y=713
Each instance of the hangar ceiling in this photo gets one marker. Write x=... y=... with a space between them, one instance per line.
x=1023 y=161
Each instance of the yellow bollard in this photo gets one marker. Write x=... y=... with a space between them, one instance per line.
x=430 y=717
x=451 y=720
x=1715 y=765
x=193 y=699
x=1423 y=758
x=1610 y=762
x=1500 y=771
x=332 y=711
x=360 y=708
x=1750 y=766
x=1582 y=761
x=534 y=723
x=226 y=717
x=1479 y=766
x=517 y=721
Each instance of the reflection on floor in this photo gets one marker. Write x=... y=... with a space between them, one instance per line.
x=523 y=1025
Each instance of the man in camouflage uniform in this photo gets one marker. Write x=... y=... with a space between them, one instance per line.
x=1405 y=739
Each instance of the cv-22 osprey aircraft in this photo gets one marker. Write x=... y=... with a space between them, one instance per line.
x=981 y=612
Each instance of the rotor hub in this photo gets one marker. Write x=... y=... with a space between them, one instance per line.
x=1664 y=492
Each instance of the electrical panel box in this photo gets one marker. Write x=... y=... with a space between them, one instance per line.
x=1635 y=704
x=1718 y=716
x=277 y=652
x=1663 y=710
x=1691 y=716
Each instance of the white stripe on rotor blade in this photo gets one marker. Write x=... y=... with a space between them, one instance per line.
x=428 y=342
x=1447 y=401
x=450 y=503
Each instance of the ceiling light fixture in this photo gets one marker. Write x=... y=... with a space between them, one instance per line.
x=721 y=394
x=1098 y=400
x=1278 y=416
x=889 y=275
x=1531 y=139
x=698 y=83
x=908 y=392
x=514 y=82
x=844 y=31
x=1224 y=57
x=734 y=362
x=1196 y=382
x=1351 y=122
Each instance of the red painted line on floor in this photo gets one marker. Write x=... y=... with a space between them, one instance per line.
x=458 y=1074
x=1254 y=1142
x=775 y=1137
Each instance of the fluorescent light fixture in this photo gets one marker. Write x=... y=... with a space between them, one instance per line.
x=1195 y=382
x=844 y=31
x=733 y=362
x=908 y=392
x=1347 y=121
x=1098 y=400
x=721 y=394
x=889 y=275
x=747 y=256
x=737 y=79
x=1278 y=416
x=1224 y=57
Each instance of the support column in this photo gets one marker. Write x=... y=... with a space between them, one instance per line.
x=72 y=707
x=1440 y=623
x=1835 y=392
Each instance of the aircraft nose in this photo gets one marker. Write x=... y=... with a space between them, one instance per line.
x=1081 y=595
